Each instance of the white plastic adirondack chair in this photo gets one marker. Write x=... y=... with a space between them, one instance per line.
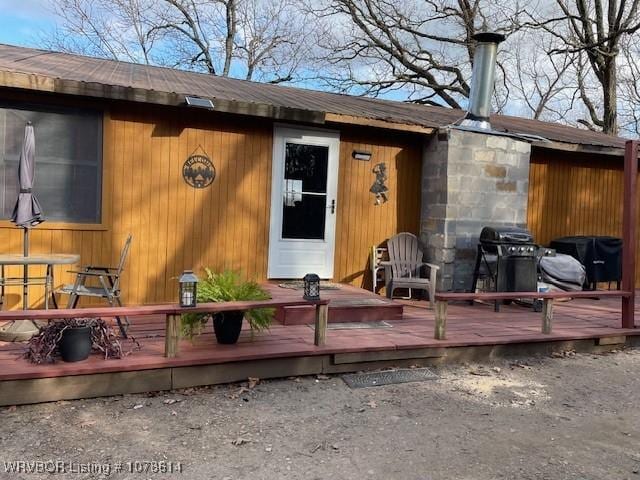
x=405 y=265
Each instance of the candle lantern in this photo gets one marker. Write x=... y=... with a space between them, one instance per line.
x=311 y=286
x=188 y=289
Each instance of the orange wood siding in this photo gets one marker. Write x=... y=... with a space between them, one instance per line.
x=174 y=225
x=360 y=223
x=225 y=225
x=575 y=194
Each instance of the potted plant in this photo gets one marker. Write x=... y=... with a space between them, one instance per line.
x=228 y=287
x=72 y=340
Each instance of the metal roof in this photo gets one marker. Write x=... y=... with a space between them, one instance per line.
x=43 y=70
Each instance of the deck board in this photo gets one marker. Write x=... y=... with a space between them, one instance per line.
x=476 y=325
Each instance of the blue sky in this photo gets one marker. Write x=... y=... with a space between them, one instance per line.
x=23 y=22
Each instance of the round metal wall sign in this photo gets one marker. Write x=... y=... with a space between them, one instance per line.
x=198 y=171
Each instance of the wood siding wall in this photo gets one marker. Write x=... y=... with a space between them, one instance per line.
x=223 y=226
x=575 y=194
x=360 y=223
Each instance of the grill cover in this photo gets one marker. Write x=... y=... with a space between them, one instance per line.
x=563 y=271
x=601 y=256
x=505 y=235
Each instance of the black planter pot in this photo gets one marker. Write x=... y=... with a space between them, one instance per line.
x=75 y=344
x=227 y=326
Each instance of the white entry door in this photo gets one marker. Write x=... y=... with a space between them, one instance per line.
x=303 y=202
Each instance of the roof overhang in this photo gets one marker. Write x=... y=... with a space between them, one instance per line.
x=48 y=84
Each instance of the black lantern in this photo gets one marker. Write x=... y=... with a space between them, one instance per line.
x=188 y=289
x=311 y=286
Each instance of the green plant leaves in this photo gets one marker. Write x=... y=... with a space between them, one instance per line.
x=228 y=287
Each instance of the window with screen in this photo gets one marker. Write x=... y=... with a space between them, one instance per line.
x=68 y=160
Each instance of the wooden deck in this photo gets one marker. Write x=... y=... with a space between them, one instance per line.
x=289 y=349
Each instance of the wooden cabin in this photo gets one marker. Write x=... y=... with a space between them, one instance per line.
x=268 y=180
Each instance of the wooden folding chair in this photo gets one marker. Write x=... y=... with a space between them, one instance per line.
x=108 y=285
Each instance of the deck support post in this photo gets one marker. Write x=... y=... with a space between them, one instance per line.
x=322 y=315
x=629 y=243
x=172 y=336
x=547 y=315
x=441 y=320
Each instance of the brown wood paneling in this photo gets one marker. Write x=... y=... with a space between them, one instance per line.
x=226 y=225
x=174 y=225
x=575 y=194
x=360 y=223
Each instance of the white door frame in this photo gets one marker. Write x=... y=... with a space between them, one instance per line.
x=293 y=258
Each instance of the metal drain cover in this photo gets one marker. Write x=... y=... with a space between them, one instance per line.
x=388 y=377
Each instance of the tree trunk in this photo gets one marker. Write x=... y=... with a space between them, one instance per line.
x=610 y=110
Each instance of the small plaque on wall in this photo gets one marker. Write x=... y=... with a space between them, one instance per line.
x=198 y=171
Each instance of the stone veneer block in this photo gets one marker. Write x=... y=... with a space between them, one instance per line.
x=469 y=180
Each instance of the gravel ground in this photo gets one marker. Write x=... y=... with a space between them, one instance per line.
x=575 y=417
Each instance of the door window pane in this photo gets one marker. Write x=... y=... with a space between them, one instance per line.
x=68 y=160
x=307 y=163
x=303 y=216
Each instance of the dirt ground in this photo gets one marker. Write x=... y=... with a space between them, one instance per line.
x=576 y=417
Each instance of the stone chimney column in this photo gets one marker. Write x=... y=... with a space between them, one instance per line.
x=469 y=180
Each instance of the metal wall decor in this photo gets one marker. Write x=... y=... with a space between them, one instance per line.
x=198 y=170
x=379 y=189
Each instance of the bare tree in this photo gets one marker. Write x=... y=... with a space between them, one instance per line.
x=595 y=30
x=629 y=89
x=252 y=39
x=276 y=37
x=117 y=29
x=423 y=48
x=545 y=86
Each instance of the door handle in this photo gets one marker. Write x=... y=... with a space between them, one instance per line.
x=332 y=207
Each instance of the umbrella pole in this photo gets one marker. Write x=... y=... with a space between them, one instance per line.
x=25 y=272
x=21 y=330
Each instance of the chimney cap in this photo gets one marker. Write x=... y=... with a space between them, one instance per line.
x=489 y=37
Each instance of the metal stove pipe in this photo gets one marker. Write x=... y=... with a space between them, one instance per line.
x=483 y=80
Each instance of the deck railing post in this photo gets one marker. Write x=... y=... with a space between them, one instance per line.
x=322 y=314
x=172 y=336
x=441 y=320
x=629 y=231
x=547 y=315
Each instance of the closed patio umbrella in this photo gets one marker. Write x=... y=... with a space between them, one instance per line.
x=26 y=214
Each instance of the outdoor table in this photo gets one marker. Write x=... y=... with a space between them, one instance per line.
x=48 y=260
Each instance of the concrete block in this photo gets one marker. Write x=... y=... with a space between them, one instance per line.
x=522 y=147
x=506 y=215
x=487 y=156
x=523 y=187
x=496 y=142
x=434 y=197
x=510 y=159
x=469 y=139
x=496 y=171
x=485 y=213
x=444 y=255
x=507 y=186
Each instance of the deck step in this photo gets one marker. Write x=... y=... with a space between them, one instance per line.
x=343 y=311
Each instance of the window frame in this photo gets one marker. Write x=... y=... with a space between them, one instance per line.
x=101 y=113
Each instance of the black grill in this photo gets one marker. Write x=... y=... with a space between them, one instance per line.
x=508 y=258
x=505 y=235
